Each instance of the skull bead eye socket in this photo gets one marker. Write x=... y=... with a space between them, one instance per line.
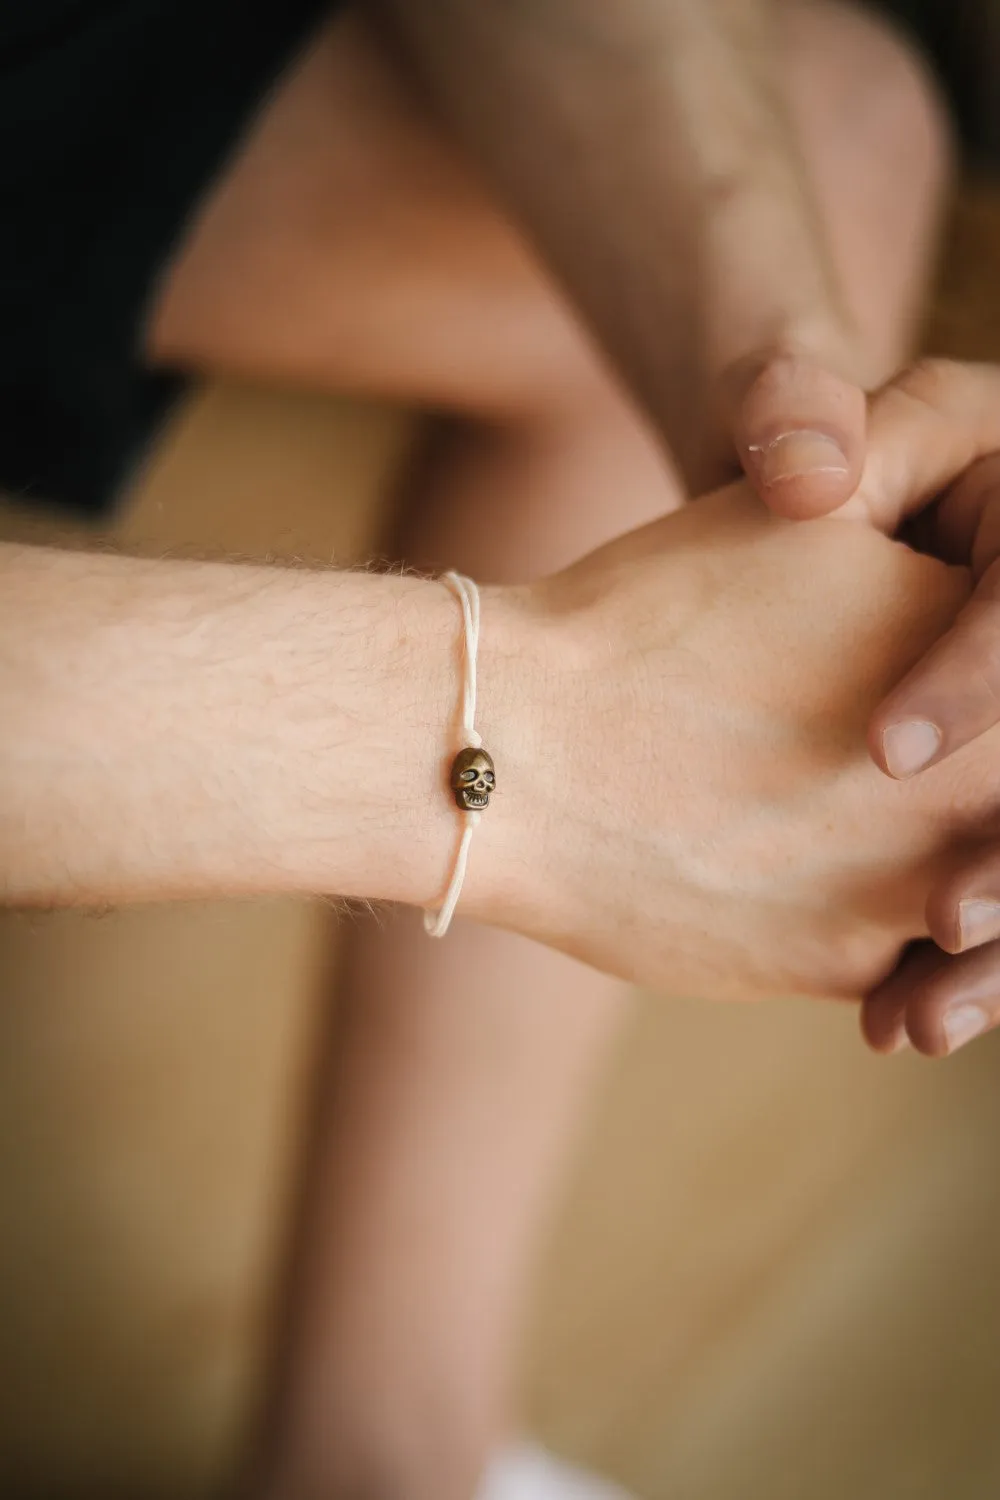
x=470 y=775
x=488 y=776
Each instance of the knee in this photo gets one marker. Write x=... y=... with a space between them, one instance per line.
x=871 y=88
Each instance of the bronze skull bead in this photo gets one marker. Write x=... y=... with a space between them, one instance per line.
x=473 y=778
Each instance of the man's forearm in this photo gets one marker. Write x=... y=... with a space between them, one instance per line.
x=175 y=728
x=643 y=145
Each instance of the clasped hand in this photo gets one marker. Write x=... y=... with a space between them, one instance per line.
x=733 y=663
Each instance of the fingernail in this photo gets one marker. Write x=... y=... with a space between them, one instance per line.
x=963 y=1023
x=978 y=922
x=796 y=455
x=900 y=1042
x=909 y=746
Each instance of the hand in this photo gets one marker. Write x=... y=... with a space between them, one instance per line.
x=951 y=698
x=648 y=152
x=697 y=811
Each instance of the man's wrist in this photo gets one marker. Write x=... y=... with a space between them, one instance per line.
x=191 y=729
x=517 y=704
x=402 y=721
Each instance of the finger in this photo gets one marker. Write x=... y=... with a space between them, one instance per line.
x=953 y=694
x=947 y=1002
x=963 y=912
x=799 y=431
x=964 y=526
x=883 y=1012
x=950 y=697
x=925 y=429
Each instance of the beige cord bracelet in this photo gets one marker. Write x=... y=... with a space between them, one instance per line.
x=473 y=775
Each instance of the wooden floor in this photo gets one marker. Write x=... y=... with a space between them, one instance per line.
x=773 y=1276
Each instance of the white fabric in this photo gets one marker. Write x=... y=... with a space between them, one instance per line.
x=525 y=1472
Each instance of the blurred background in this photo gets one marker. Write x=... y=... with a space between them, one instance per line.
x=773 y=1273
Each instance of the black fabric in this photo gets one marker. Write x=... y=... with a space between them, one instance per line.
x=114 y=117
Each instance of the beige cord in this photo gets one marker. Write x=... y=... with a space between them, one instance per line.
x=436 y=924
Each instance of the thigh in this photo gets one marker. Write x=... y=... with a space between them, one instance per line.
x=350 y=246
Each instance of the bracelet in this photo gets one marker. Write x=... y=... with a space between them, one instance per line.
x=473 y=775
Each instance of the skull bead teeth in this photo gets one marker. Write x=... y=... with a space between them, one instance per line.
x=473 y=778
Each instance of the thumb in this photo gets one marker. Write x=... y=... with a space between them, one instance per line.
x=927 y=427
x=799 y=430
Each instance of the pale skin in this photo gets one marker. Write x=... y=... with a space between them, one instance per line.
x=550 y=443
x=287 y=730
x=365 y=668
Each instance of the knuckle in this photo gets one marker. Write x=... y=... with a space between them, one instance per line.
x=963 y=803
x=868 y=955
x=929 y=380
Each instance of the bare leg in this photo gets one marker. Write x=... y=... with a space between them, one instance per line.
x=462 y=1069
x=350 y=247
